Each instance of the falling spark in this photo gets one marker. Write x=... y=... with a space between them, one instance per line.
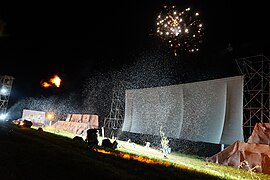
x=182 y=30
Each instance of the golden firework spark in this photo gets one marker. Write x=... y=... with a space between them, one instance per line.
x=182 y=30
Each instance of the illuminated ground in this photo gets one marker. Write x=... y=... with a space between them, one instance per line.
x=130 y=150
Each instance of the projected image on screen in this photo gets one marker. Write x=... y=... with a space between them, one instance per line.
x=205 y=111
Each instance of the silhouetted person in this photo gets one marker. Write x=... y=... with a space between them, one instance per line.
x=92 y=138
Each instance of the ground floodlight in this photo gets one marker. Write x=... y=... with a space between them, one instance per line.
x=4 y=91
x=3 y=116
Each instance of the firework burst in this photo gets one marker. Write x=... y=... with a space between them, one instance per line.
x=182 y=30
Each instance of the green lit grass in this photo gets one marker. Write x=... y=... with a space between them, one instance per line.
x=195 y=163
x=184 y=161
x=31 y=154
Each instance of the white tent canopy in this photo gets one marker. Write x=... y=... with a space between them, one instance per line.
x=207 y=111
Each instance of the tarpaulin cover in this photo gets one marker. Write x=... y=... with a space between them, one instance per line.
x=260 y=134
x=238 y=152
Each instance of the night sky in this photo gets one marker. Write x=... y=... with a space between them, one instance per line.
x=77 y=40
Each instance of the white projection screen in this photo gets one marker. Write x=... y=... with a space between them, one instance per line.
x=206 y=111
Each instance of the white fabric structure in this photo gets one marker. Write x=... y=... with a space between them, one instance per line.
x=34 y=116
x=206 y=111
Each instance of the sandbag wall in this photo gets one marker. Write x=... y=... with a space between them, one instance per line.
x=78 y=123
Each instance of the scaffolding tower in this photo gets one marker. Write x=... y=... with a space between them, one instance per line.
x=5 y=90
x=115 y=119
x=256 y=71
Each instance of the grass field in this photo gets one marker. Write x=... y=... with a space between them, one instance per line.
x=32 y=154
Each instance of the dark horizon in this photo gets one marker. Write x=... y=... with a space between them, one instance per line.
x=83 y=41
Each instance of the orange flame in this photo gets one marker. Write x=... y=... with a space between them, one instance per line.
x=142 y=159
x=45 y=84
x=54 y=81
x=134 y=157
